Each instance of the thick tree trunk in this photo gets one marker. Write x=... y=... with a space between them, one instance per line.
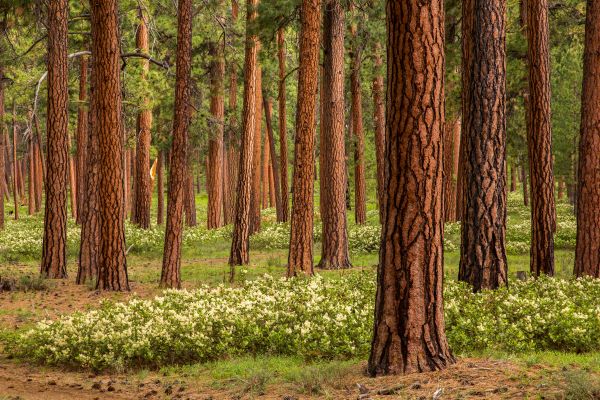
x=379 y=111
x=171 y=268
x=54 y=248
x=360 y=188
x=160 y=188
x=334 y=254
x=409 y=332
x=3 y=188
x=274 y=182
x=300 y=259
x=256 y=158
x=82 y=136
x=587 y=259
x=112 y=264
x=143 y=188
x=539 y=138
x=215 y=144
x=240 y=244
x=283 y=157
x=483 y=261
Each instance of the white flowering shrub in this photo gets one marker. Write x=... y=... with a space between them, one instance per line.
x=312 y=318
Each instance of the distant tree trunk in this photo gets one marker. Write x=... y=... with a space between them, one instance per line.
x=131 y=173
x=190 y=197
x=513 y=178
x=215 y=144
x=539 y=138
x=334 y=254
x=268 y=105
x=360 y=194
x=112 y=264
x=525 y=187
x=160 y=188
x=54 y=248
x=266 y=160
x=561 y=188
x=3 y=188
x=72 y=182
x=300 y=259
x=38 y=176
x=143 y=188
x=449 y=187
x=483 y=261
x=379 y=107
x=256 y=158
x=240 y=244
x=171 y=268
x=31 y=178
x=283 y=157
x=587 y=259
x=409 y=332
x=82 y=136
x=456 y=173
x=127 y=182
x=15 y=171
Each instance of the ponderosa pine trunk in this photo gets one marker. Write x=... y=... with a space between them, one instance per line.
x=160 y=188
x=54 y=247
x=72 y=181
x=449 y=192
x=30 y=179
x=513 y=178
x=143 y=189
x=334 y=254
x=283 y=157
x=454 y=191
x=256 y=158
x=483 y=262
x=107 y=127
x=171 y=267
x=409 y=331
x=82 y=137
x=266 y=160
x=587 y=256
x=3 y=188
x=240 y=244
x=379 y=111
x=189 y=208
x=15 y=161
x=274 y=182
x=539 y=139
x=215 y=144
x=300 y=260
x=358 y=133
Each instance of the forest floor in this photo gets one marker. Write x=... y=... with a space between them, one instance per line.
x=545 y=375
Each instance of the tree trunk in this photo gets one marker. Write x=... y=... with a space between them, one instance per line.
x=160 y=188
x=268 y=106
x=256 y=158
x=334 y=254
x=190 y=197
x=240 y=244
x=525 y=187
x=266 y=160
x=483 y=261
x=587 y=259
x=360 y=194
x=171 y=268
x=379 y=107
x=143 y=189
x=54 y=248
x=561 y=188
x=300 y=259
x=215 y=144
x=131 y=190
x=409 y=332
x=539 y=138
x=449 y=188
x=15 y=162
x=112 y=264
x=283 y=157
x=38 y=176
x=456 y=172
x=3 y=188
x=82 y=136
x=31 y=178
x=513 y=178
x=72 y=182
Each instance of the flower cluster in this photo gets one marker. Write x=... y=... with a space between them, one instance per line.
x=312 y=318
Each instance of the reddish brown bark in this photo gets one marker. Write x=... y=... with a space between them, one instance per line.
x=539 y=138
x=107 y=127
x=3 y=188
x=300 y=260
x=255 y=220
x=31 y=178
x=240 y=244
x=283 y=157
x=379 y=115
x=274 y=170
x=191 y=219
x=15 y=168
x=54 y=247
x=409 y=332
x=143 y=188
x=587 y=259
x=483 y=261
x=171 y=268
x=358 y=134
x=72 y=182
x=266 y=160
x=525 y=187
x=215 y=144
x=449 y=192
x=82 y=137
x=334 y=254
x=513 y=178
